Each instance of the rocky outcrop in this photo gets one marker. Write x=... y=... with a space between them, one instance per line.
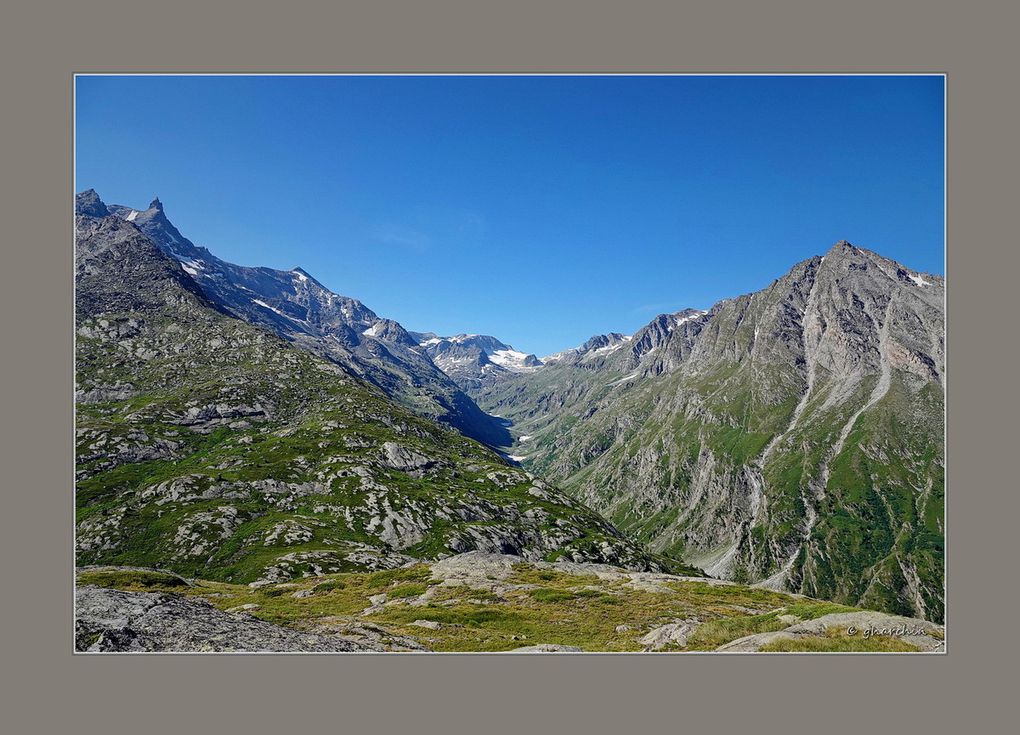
x=109 y=620
x=922 y=634
x=671 y=634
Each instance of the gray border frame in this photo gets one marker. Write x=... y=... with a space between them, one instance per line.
x=52 y=690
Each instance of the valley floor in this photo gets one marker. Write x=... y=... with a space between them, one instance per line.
x=474 y=602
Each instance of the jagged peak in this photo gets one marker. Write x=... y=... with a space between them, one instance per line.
x=156 y=204
x=304 y=276
x=842 y=249
x=845 y=248
x=88 y=202
x=602 y=340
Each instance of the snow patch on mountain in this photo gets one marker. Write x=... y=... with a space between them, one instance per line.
x=264 y=305
x=513 y=360
x=477 y=354
x=375 y=330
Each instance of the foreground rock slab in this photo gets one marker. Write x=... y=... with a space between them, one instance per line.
x=476 y=601
x=927 y=636
x=112 y=620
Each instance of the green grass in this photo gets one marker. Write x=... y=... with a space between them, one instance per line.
x=406 y=590
x=132 y=580
x=546 y=594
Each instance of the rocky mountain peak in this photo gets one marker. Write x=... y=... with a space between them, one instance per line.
x=600 y=341
x=474 y=359
x=845 y=250
x=89 y=203
x=659 y=332
x=155 y=204
x=304 y=277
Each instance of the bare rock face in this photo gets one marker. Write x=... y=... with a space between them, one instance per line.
x=89 y=203
x=675 y=633
x=406 y=460
x=110 y=620
x=547 y=648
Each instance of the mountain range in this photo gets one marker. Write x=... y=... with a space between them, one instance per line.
x=300 y=309
x=250 y=425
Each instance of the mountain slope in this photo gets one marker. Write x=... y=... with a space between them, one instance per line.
x=339 y=328
x=791 y=437
x=214 y=448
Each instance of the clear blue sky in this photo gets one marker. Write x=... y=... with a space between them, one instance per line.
x=541 y=210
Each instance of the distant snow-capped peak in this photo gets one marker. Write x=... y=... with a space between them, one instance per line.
x=478 y=351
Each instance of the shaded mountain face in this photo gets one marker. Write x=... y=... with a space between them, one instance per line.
x=215 y=448
x=791 y=437
x=299 y=308
x=474 y=360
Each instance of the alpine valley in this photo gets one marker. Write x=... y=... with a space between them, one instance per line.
x=264 y=464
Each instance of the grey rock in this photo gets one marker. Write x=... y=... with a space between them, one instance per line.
x=674 y=634
x=547 y=648
x=927 y=636
x=89 y=203
x=430 y=624
x=114 y=621
x=404 y=459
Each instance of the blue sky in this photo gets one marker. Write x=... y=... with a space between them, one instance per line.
x=542 y=210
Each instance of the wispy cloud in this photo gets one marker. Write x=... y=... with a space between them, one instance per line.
x=393 y=234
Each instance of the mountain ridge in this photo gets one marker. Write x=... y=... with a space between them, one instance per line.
x=730 y=437
x=299 y=308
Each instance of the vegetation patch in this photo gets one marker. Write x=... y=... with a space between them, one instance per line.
x=836 y=640
x=133 y=580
